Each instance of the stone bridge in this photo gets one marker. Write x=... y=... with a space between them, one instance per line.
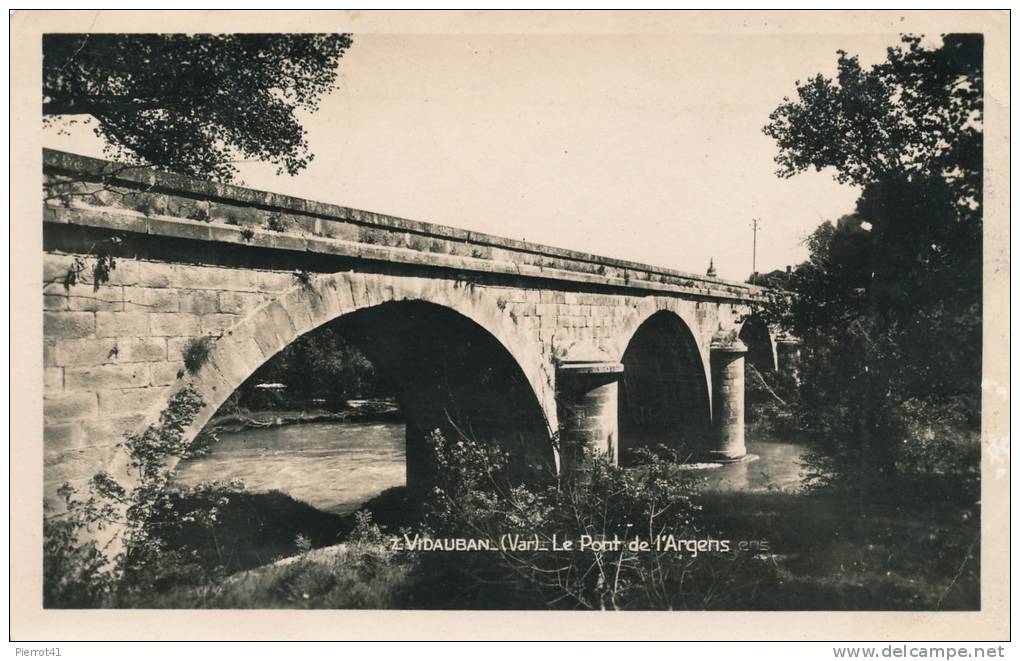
x=540 y=349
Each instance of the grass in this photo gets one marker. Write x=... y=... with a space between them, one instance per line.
x=259 y=542
x=254 y=529
x=357 y=575
x=911 y=547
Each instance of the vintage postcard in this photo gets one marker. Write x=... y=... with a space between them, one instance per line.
x=512 y=325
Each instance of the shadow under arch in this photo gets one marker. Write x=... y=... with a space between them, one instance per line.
x=450 y=374
x=664 y=396
x=755 y=335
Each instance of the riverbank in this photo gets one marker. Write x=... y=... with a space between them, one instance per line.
x=820 y=549
x=362 y=410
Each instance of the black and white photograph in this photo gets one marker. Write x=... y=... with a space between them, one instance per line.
x=675 y=312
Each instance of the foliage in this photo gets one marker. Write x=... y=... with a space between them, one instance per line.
x=888 y=305
x=74 y=569
x=150 y=206
x=320 y=370
x=194 y=103
x=159 y=441
x=196 y=353
x=237 y=216
x=917 y=113
x=302 y=543
x=275 y=223
x=903 y=546
x=134 y=557
x=876 y=370
x=772 y=404
x=200 y=214
x=104 y=263
x=475 y=499
x=937 y=439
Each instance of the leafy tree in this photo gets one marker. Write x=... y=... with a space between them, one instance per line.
x=318 y=369
x=908 y=132
x=193 y=104
x=889 y=301
x=917 y=113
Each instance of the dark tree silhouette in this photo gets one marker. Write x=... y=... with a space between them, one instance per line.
x=889 y=304
x=193 y=104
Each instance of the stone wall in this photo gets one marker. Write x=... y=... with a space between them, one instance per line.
x=111 y=352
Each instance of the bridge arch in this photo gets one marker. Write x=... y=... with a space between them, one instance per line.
x=458 y=360
x=664 y=392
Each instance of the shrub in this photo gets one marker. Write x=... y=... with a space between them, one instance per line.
x=276 y=223
x=302 y=543
x=105 y=262
x=75 y=570
x=937 y=438
x=240 y=216
x=79 y=570
x=653 y=502
x=196 y=353
x=200 y=214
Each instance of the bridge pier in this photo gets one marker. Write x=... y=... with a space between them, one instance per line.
x=727 y=364
x=587 y=399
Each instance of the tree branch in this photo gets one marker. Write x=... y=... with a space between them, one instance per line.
x=93 y=105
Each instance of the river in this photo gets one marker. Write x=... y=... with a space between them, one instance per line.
x=336 y=466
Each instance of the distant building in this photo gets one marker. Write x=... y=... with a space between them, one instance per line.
x=777 y=279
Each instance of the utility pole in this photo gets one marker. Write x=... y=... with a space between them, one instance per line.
x=754 y=250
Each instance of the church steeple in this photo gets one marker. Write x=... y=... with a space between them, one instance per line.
x=711 y=268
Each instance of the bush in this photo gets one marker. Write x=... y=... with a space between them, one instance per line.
x=771 y=404
x=937 y=438
x=653 y=501
x=196 y=353
x=74 y=570
x=276 y=223
x=132 y=522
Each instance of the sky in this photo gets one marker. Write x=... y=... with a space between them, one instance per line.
x=641 y=147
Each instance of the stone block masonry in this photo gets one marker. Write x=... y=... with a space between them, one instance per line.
x=255 y=270
x=106 y=366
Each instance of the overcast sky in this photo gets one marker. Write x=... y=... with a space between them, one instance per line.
x=644 y=147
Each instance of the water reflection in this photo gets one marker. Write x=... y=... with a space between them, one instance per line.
x=769 y=466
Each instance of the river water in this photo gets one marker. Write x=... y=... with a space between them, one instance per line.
x=333 y=466
x=336 y=466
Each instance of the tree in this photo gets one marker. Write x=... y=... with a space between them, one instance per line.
x=889 y=302
x=918 y=113
x=319 y=369
x=193 y=104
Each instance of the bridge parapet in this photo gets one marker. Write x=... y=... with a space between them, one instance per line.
x=100 y=194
